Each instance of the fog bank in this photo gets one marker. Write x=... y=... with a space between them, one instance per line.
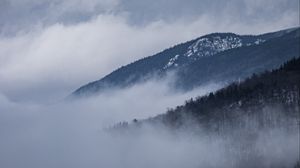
x=73 y=134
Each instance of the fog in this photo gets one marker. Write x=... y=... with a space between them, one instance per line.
x=69 y=133
x=74 y=134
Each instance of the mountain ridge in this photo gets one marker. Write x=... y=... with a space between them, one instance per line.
x=183 y=55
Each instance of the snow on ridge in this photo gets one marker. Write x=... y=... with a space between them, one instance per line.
x=258 y=41
x=208 y=46
x=211 y=46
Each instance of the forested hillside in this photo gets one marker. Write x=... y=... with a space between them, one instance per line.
x=248 y=117
x=278 y=89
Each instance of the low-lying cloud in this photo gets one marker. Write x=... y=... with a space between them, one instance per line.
x=70 y=133
x=73 y=134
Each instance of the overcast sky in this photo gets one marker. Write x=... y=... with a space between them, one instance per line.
x=51 y=47
x=17 y=15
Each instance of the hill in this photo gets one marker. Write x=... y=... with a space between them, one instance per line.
x=216 y=57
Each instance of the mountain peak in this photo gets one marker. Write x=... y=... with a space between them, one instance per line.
x=210 y=45
x=213 y=57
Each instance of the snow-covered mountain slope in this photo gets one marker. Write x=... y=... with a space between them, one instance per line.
x=213 y=57
x=210 y=45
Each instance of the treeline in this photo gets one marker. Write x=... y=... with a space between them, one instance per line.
x=273 y=90
x=262 y=100
x=241 y=115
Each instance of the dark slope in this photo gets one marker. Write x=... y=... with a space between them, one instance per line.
x=278 y=90
x=216 y=56
x=241 y=62
x=254 y=120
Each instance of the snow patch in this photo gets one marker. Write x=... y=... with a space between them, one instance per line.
x=171 y=62
x=258 y=41
x=210 y=46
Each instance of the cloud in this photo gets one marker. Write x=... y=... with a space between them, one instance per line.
x=70 y=134
x=50 y=62
x=23 y=15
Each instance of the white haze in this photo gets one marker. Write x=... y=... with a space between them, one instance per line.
x=71 y=134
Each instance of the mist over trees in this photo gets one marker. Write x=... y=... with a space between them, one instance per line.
x=275 y=88
x=243 y=114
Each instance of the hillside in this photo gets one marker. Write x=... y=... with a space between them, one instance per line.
x=215 y=57
x=278 y=89
x=255 y=120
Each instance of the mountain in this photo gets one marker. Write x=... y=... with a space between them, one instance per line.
x=215 y=57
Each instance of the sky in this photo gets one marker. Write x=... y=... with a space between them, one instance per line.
x=49 y=48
